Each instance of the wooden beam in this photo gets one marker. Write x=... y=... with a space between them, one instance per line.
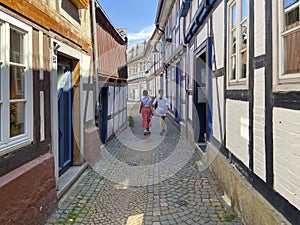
x=81 y=4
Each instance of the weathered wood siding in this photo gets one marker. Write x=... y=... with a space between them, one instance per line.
x=111 y=47
x=111 y=54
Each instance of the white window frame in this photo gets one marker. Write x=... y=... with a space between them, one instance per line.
x=67 y=16
x=282 y=81
x=7 y=143
x=177 y=14
x=238 y=82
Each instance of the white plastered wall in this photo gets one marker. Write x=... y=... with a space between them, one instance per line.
x=259 y=28
x=259 y=124
x=218 y=31
x=286 y=142
x=218 y=108
x=237 y=129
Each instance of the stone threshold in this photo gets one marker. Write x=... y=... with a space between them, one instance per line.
x=200 y=148
x=69 y=178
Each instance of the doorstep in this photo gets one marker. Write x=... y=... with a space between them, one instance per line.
x=201 y=146
x=69 y=178
x=200 y=149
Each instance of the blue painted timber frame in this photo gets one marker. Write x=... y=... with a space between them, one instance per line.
x=200 y=16
x=209 y=88
x=178 y=94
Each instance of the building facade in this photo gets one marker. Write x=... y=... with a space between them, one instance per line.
x=232 y=78
x=111 y=62
x=145 y=66
x=137 y=67
x=154 y=57
x=48 y=97
x=43 y=45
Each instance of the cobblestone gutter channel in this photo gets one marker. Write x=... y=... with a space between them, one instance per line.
x=189 y=196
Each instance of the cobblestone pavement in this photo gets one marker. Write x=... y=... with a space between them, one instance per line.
x=184 y=194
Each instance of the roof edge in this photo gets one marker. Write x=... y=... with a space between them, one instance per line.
x=109 y=20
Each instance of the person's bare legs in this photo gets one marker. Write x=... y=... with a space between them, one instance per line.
x=162 y=124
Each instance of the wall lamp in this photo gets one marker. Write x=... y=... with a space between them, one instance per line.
x=55 y=47
x=158 y=28
x=166 y=65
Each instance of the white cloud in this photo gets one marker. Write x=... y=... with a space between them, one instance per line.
x=144 y=34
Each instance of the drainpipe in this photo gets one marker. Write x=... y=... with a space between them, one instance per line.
x=95 y=52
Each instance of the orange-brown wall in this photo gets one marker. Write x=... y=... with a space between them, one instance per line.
x=50 y=19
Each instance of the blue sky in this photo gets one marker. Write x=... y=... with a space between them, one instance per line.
x=136 y=15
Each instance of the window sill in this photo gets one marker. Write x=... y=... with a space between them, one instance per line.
x=69 y=18
x=288 y=82
x=237 y=84
x=14 y=145
x=289 y=78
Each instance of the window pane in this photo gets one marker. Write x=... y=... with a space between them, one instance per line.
x=233 y=14
x=244 y=9
x=16 y=83
x=1 y=41
x=233 y=68
x=0 y=123
x=71 y=9
x=16 y=47
x=0 y=85
x=292 y=18
x=1 y=119
x=233 y=44
x=244 y=34
x=244 y=64
x=288 y=3
x=292 y=49
x=17 y=118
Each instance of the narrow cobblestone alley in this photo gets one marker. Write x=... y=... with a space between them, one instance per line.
x=189 y=196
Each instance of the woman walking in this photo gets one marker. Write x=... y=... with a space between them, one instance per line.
x=161 y=110
x=145 y=109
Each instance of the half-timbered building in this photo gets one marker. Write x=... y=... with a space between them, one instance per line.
x=58 y=60
x=234 y=91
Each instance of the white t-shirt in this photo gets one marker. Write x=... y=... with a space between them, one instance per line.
x=146 y=101
x=162 y=105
